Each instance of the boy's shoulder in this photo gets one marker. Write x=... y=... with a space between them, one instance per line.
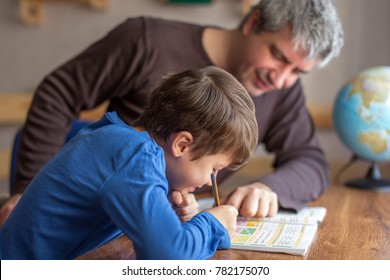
x=113 y=133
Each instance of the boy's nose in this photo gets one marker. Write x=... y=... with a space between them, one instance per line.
x=210 y=183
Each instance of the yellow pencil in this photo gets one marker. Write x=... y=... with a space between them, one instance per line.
x=214 y=186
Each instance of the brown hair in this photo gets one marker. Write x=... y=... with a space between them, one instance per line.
x=211 y=105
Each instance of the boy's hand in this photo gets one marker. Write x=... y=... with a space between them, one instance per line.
x=7 y=208
x=254 y=200
x=185 y=205
x=226 y=215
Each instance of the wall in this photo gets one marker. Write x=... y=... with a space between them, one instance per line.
x=367 y=44
x=28 y=53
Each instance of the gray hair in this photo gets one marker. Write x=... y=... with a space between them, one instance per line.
x=315 y=25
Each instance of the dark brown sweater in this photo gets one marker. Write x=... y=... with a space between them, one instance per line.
x=126 y=65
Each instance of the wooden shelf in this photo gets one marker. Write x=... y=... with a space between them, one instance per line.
x=14 y=107
x=30 y=11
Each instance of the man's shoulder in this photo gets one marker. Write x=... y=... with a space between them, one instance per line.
x=157 y=24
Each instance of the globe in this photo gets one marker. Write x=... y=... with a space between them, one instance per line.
x=361 y=115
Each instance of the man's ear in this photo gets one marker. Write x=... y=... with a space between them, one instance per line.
x=180 y=143
x=251 y=22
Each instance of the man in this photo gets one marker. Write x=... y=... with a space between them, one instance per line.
x=277 y=42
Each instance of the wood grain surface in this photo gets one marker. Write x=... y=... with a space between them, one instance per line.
x=356 y=227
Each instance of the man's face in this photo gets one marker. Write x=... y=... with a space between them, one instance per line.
x=269 y=60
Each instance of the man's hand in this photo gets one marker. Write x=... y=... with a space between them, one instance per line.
x=7 y=208
x=254 y=200
x=185 y=205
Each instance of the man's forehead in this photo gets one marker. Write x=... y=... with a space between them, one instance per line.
x=296 y=55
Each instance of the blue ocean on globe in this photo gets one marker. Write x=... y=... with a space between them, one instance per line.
x=361 y=114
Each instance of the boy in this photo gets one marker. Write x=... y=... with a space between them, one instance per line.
x=113 y=178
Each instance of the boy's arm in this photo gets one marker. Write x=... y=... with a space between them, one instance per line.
x=137 y=203
x=155 y=229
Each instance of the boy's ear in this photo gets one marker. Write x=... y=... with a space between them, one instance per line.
x=180 y=143
x=252 y=22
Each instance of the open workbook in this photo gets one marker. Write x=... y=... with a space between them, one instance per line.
x=290 y=233
x=287 y=232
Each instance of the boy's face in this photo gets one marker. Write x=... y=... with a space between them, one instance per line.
x=185 y=175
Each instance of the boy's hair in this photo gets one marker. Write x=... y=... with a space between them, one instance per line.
x=315 y=25
x=211 y=105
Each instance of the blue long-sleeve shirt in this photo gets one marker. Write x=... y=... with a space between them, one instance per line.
x=108 y=180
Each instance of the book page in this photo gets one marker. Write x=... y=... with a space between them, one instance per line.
x=287 y=232
x=308 y=215
x=270 y=236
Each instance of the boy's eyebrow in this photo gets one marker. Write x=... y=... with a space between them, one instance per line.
x=278 y=54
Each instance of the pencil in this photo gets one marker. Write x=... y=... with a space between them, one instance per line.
x=214 y=186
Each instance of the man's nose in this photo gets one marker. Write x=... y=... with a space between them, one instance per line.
x=279 y=78
x=284 y=76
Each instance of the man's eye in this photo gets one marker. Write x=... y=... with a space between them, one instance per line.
x=276 y=54
x=297 y=72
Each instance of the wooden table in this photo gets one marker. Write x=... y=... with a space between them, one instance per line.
x=356 y=226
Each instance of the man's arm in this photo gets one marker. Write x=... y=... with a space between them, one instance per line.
x=300 y=169
x=94 y=76
x=100 y=73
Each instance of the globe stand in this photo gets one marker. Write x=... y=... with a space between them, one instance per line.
x=372 y=181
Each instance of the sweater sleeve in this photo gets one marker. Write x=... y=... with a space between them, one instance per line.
x=102 y=72
x=135 y=199
x=301 y=170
